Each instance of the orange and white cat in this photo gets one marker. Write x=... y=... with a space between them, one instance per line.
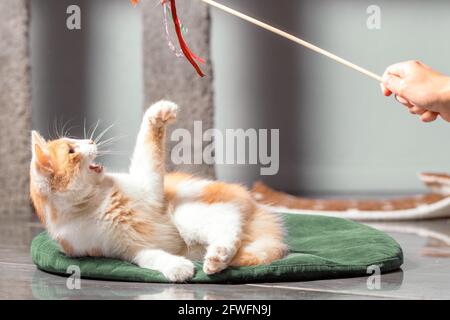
x=157 y=221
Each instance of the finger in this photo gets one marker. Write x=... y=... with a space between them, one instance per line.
x=411 y=110
x=429 y=116
x=385 y=90
x=397 y=69
x=417 y=110
x=395 y=85
x=404 y=101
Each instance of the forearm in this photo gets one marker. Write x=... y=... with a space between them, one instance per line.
x=147 y=163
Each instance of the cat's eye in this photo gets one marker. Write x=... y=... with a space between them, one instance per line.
x=71 y=150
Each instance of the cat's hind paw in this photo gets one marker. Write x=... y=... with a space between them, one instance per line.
x=217 y=259
x=162 y=113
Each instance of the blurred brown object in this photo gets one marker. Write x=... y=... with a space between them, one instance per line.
x=15 y=111
x=436 y=248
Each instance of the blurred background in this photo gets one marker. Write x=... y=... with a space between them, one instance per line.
x=338 y=134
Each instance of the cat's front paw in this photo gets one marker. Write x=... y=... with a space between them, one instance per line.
x=162 y=113
x=179 y=270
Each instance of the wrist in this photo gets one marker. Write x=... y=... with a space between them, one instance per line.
x=444 y=96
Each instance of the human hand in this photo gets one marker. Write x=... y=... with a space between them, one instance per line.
x=422 y=90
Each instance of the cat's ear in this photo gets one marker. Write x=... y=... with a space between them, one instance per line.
x=40 y=153
x=36 y=138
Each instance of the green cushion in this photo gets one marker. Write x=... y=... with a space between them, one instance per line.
x=320 y=248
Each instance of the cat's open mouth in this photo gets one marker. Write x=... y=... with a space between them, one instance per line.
x=96 y=167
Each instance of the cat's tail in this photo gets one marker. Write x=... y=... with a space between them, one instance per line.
x=422 y=206
x=263 y=240
x=437 y=182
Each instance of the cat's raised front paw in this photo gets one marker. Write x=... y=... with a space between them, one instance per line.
x=179 y=270
x=162 y=113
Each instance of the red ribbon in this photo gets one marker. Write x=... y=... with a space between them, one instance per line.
x=184 y=47
x=191 y=57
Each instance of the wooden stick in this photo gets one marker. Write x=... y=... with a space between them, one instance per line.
x=293 y=38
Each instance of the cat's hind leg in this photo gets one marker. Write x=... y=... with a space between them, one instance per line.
x=263 y=240
x=217 y=226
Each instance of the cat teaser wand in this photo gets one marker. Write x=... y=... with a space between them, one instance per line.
x=268 y=27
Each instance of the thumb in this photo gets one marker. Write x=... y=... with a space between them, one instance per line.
x=395 y=85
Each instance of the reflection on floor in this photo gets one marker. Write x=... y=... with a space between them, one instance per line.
x=424 y=275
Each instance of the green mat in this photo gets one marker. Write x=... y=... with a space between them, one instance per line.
x=320 y=248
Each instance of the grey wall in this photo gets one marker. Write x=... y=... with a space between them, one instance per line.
x=94 y=73
x=338 y=133
x=15 y=114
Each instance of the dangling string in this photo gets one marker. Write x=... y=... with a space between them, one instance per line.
x=192 y=58
x=179 y=30
x=178 y=53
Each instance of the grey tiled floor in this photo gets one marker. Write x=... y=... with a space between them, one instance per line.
x=422 y=276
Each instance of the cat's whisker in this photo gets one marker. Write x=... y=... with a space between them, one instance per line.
x=55 y=132
x=110 y=140
x=65 y=131
x=100 y=136
x=99 y=154
x=104 y=151
x=90 y=128
x=58 y=125
x=93 y=131
x=84 y=129
x=60 y=128
x=49 y=130
x=111 y=153
x=105 y=146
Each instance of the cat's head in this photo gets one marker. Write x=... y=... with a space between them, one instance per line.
x=64 y=165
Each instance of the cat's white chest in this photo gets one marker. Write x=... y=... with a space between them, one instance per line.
x=84 y=237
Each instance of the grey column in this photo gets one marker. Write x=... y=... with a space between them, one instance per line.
x=14 y=108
